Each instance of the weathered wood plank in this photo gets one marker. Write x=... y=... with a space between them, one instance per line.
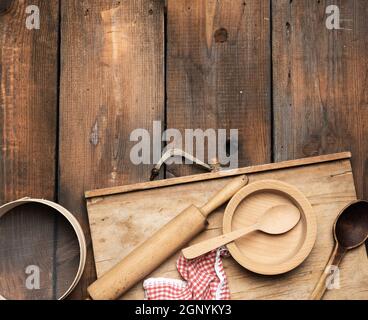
x=320 y=82
x=112 y=82
x=217 y=175
x=28 y=126
x=218 y=72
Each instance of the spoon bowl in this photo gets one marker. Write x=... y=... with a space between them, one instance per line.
x=350 y=231
x=351 y=226
x=279 y=219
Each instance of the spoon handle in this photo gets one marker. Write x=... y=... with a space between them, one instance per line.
x=336 y=256
x=203 y=247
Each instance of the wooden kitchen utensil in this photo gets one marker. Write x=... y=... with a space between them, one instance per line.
x=350 y=230
x=260 y=252
x=276 y=220
x=165 y=242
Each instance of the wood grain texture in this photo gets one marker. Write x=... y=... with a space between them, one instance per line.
x=120 y=222
x=218 y=175
x=112 y=82
x=320 y=82
x=6 y=5
x=218 y=63
x=28 y=117
x=218 y=73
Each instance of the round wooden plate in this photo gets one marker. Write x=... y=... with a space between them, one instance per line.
x=269 y=254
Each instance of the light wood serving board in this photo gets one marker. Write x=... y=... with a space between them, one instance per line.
x=123 y=217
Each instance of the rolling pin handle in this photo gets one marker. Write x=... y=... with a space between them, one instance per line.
x=224 y=195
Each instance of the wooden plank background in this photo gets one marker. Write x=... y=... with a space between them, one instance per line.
x=72 y=92
x=218 y=72
x=112 y=82
x=28 y=131
x=320 y=82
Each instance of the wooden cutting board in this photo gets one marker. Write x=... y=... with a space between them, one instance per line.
x=123 y=217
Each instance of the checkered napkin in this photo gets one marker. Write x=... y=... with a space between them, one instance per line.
x=204 y=279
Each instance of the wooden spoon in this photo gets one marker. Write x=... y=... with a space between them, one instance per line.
x=276 y=220
x=350 y=230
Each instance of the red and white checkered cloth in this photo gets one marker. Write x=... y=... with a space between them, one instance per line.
x=205 y=279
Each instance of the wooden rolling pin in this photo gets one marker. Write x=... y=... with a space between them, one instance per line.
x=164 y=243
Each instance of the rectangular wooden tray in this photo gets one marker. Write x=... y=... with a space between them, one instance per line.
x=123 y=217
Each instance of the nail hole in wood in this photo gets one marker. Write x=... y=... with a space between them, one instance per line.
x=221 y=35
x=288 y=28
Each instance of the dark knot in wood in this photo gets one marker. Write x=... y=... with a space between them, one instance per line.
x=5 y=6
x=221 y=35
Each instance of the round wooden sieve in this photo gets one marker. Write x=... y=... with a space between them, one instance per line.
x=70 y=219
x=263 y=253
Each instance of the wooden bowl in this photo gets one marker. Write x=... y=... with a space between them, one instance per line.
x=269 y=254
